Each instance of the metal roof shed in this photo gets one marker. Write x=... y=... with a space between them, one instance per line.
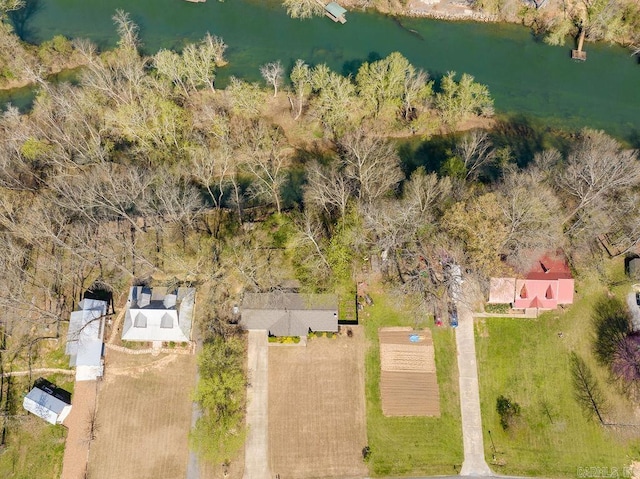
x=48 y=402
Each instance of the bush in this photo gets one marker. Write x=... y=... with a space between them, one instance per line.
x=366 y=453
x=508 y=411
x=498 y=308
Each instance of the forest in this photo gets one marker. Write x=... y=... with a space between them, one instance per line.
x=144 y=169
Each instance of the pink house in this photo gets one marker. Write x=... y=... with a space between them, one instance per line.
x=545 y=286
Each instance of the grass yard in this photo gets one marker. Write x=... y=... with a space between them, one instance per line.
x=412 y=445
x=34 y=448
x=528 y=362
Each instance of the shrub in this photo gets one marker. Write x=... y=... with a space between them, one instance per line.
x=508 y=411
x=498 y=308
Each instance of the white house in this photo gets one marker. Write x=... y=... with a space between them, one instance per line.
x=85 y=339
x=48 y=401
x=159 y=315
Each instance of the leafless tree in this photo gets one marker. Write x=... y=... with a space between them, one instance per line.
x=272 y=74
x=328 y=188
x=597 y=168
x=263 y=149
x=531 y=219
x=371 y=162
x=476 y=152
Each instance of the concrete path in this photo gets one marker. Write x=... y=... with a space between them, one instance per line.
x=256 y=457
x=474 y=463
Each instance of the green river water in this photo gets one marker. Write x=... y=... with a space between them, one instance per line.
x=525 y=76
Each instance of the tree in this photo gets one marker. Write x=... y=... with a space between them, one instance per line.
x=587 y=392
x=263 y=149
x=597 y=170
x=336 y=102
x=371 y=162
x=303 y=8
x=508 y=410
x=479 y=225
x=301 y=83
x=246 y=98
x=328 y=188
x=531 y=218
x=272 y=74
x=476 y=152
x=382 y=82
x=612 y=324
x=626 y=360
x=219 y=432
x=456 y=101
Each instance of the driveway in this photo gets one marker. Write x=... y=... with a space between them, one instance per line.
x=474 y=463
x=256 y=458
x=76 y=449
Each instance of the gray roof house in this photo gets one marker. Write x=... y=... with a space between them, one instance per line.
x=290 y=314
x=159 y=315
x=85 y=339
x=48 y=402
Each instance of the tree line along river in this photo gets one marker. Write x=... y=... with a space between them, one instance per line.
x=525 y=76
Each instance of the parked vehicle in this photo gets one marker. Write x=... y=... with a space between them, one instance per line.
x=453 y=316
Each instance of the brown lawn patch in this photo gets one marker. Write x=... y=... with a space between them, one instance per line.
x=143 y=417
x=408 y=382
x=317 y=408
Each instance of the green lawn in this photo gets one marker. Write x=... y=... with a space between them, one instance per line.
x=403 y=446
x=34 y=448
x=527 y=361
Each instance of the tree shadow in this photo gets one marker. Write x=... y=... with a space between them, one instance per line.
x=430 y=154
x=633 y=138
x=351 y=67
x=525 y=137
x=20 y=19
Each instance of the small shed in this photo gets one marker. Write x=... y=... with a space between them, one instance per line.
x=48 y=401
x=335 y=12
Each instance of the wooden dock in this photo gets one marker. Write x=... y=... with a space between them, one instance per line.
x=334 y=11
x=578 y=54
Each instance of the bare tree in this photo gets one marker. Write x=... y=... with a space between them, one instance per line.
x=530 y=218
x=301 y=82
x=371 y=162
x=272 y=74
x=263 y=149
x=597 y=169
x=328 y=188
x=476 y=152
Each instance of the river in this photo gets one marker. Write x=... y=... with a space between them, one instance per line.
x=525 y=76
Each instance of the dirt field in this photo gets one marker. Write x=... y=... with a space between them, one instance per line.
x=143 y=417
x=317 y=408
x=408 y=383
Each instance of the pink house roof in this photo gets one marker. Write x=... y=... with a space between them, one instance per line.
x=550 y=266
x=545 y=286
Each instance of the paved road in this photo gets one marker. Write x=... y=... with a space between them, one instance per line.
x=474 y=463
x=256 y=457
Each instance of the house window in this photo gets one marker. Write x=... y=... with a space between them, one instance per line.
x=549 y=293
x=140 y=321
x=166 y=322
x=523 y=292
